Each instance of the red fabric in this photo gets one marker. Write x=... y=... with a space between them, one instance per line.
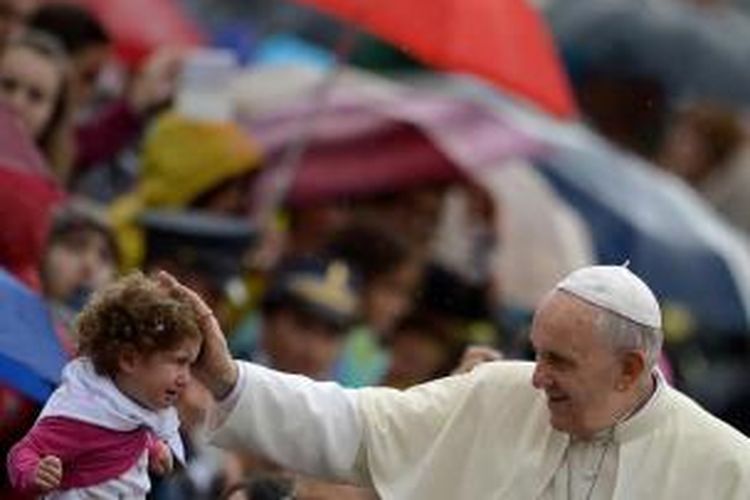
x=138 y=27
x=106 y=134
x=504 y=41
x=26 y=204
x=90 y=454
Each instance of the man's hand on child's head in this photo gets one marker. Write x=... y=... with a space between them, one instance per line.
x=160 y=460
x=48 y=473
x=215 y=367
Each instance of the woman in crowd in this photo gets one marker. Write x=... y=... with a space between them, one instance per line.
x=34 y=83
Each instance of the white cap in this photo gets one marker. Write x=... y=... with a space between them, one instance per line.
x=616 y=289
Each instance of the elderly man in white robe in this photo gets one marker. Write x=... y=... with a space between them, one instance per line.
x=591 y=419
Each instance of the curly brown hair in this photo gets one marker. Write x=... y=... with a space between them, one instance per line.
x=135 y=312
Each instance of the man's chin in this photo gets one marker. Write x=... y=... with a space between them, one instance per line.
x=560 y=423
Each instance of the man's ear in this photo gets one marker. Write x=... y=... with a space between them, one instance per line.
x=632 y=366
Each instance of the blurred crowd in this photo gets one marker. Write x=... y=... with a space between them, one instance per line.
x=357 y=290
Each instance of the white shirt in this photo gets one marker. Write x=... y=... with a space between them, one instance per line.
x=133 y=484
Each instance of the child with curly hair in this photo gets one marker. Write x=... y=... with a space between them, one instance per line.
x=112 y=420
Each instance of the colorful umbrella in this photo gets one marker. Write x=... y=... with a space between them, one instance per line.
x=26 y=204
x=694 y=51
x=696 y=263
x=374 y=136
x=633 y=211
x=503 y=41
x=140 y=26
x=31 y=356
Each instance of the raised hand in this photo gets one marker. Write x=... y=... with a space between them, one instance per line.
x=214 y=367
x=476 y=355
x=160 y=460
x=48 y=473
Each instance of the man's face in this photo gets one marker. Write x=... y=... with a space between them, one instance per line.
x=298 y=342
x=575 y=366
x=158 y=380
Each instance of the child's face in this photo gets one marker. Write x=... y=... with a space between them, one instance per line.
x=78 y=261
x=29 y=84
x=158 y=380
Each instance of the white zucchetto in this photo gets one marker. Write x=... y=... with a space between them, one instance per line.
x=616 y=289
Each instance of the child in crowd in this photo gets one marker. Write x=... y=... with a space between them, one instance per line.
x=113 y=420
x=80 y=257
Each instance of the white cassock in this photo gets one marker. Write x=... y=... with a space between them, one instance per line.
x=482 y=435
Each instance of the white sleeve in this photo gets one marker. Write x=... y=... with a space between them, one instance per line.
x=308 y=426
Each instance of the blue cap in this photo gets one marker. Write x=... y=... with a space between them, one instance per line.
x=326 y=288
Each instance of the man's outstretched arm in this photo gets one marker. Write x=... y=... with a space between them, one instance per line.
x=308 y=426
x=311 y=427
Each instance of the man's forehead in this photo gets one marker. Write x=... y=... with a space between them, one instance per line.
x=563 y=317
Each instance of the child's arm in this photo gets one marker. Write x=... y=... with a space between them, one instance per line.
x=30 y=469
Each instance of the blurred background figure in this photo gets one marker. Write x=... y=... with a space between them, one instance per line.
x=306 y=312
x=391 y=267
x=422 y=348
x=80 y=258
x=83 y=38
x=13 y=16
x=35 y=83
x=301 y=327
x=185 y=163
x=701 y=140
x=706 y=144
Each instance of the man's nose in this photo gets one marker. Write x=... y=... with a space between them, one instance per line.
x=540 y=378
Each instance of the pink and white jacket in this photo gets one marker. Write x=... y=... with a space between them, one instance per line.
x=102 y=437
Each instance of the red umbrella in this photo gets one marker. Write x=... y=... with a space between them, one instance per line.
x=140 y=26
x=503 y=41
x=26 y=204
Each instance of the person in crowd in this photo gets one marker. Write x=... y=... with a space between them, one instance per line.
x=104 y=129
x=700 y=140
x=422 y=348
x=707 y=146
x=185 y=163
x=204 y=249
x=112 y=419
x=591 y=418
x=80 y=258
x=413 y=213
x=13 y=15
x=34 y=82
x=306 y=312
x=83 y=38
x=391 y=270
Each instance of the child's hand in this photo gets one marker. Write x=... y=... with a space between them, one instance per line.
x=160 y=460
x=48 y=473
